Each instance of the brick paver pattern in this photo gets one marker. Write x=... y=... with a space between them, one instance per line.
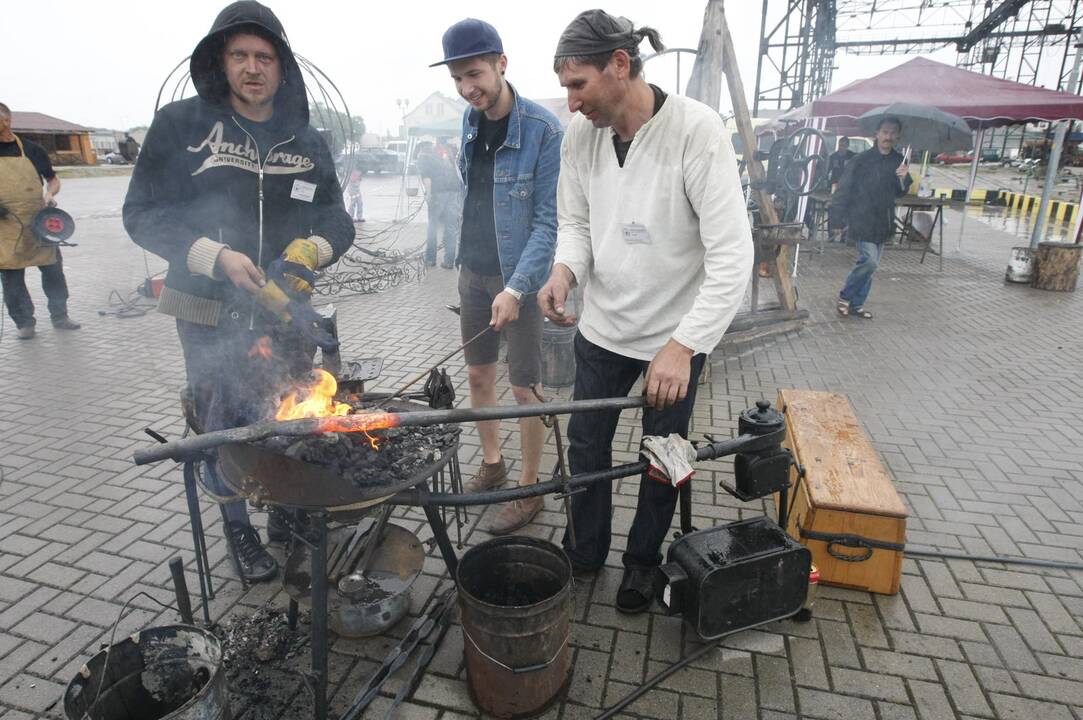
x=968 y=387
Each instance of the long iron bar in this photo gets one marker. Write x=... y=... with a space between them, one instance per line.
x=196 y=445
x=741 y=443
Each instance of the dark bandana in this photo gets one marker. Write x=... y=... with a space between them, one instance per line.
x=595 y=31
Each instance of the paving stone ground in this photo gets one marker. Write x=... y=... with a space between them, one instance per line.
x=968 y=387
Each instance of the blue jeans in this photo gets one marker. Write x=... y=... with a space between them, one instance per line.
x=859 y=281
x=445 y=211
x=600 y=373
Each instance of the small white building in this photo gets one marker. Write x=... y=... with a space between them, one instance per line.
x=436 y=109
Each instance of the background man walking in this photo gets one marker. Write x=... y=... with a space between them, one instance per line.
x=509 y=161
x=865 y=203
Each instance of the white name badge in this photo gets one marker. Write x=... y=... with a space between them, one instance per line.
x=303 y=190
x=635 y=234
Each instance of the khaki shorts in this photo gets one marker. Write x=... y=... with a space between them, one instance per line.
x=476 y=295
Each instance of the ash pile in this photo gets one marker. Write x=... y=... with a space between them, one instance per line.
x=371 y=459
x=262 y=658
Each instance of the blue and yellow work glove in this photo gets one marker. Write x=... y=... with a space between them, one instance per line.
x=286 y=294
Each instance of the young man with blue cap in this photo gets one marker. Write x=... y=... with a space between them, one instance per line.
x=509 y=163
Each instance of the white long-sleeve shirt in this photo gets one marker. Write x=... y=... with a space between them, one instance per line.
x=662 y=245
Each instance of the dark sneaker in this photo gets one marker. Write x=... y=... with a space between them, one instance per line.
x=488 y=476
x=278 y=526
x=256 y=563
x=26 y=333
x=65 y=323
x=636 y=590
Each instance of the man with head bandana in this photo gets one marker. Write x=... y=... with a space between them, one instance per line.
x=652 y=222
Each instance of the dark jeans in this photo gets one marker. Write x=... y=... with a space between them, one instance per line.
x=600 y=373
x=232 y=386
x=17 y=297
x=445 y=211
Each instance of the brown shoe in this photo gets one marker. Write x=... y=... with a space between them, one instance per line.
x=514 y=515
x=488 y=476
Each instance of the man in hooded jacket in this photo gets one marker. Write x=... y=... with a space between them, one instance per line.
x=239 y=194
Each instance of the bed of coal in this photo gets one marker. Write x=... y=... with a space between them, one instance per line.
x=368 y=459
x=262 y=658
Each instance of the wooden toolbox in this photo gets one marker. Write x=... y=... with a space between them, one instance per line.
x=845 y=508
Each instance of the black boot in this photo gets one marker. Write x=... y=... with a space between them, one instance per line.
x=278 y=525
x=255 y=562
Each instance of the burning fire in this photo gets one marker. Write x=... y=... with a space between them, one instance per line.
x=314 y=400
x=317 y=400
x=261 y=348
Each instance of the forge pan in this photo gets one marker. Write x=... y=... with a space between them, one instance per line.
x=267 y=477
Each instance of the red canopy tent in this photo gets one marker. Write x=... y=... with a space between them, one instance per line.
x=981 y=100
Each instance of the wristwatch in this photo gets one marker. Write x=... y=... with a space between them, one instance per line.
x=514 y=293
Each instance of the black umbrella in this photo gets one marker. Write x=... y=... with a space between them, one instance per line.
x=923 y=127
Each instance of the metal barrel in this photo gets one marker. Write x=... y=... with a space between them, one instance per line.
x=515 y=597
x=172 y=672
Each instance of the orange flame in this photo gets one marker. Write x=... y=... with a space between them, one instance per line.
x=314 y=400
x=374 y=440
x=261 y=348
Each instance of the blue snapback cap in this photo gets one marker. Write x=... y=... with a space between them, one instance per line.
x=469 y=38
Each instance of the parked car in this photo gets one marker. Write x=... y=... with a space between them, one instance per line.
x=114 y=159
x=954 y=158
x=377 y=160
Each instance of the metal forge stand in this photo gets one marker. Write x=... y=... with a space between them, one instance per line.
x=762 y=467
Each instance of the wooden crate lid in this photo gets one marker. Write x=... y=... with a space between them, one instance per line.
x=843 y=469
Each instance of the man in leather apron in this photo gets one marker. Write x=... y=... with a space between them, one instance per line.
x=24 y=166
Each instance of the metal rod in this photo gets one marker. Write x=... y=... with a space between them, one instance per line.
x=318 y=572
x=195 y=519
x=435 y=365
x=196 y=445
x=373 y=543
x=180 y=588
x=741 y=443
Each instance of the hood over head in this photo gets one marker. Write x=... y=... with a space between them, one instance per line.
x=291 y=100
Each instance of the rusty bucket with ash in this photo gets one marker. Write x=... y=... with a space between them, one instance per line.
x=159 y=673
x=515 y=596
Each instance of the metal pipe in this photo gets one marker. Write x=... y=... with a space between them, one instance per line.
x=197 y=445
x=1054 y=155
x=180 y=588
x=741 y=443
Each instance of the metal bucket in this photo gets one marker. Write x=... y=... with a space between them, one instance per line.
x=396 y=564
x=558 y=355
x=172 y=672
x=1020 y=266
x=515 y=597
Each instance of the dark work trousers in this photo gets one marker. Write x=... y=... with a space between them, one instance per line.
x=232 y=386
x=17 y=296
x=600 y=373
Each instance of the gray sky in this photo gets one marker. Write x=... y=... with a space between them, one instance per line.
x=102 y=63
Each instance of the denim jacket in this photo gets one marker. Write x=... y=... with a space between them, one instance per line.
x=524 y=191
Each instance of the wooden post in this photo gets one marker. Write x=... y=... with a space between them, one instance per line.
x=705 y=84
x=756 y=175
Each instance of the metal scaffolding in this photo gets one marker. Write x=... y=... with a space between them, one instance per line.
x=1018 y=40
